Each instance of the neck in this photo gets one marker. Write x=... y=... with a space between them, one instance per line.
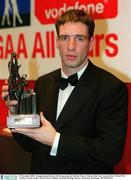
x=72 y=70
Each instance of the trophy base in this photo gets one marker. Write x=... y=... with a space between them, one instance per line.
x=23 y=121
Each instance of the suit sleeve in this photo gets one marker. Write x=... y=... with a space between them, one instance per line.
x=27 y=143
x=110 y=131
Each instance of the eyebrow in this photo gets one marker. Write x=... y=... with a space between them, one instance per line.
x=76 y=35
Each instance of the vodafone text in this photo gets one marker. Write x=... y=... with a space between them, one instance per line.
x=43 y=45
x=90 y=8
x=47 y=13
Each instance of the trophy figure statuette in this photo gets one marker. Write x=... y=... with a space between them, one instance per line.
x=23 y=115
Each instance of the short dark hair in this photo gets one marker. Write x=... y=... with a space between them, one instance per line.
x=74 y=15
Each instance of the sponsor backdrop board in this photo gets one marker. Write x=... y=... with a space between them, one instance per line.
x=27 y=27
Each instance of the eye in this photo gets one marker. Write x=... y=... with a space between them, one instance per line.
x=80 y=38
x=63 y=38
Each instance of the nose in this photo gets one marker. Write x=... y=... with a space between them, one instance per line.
x=71 y=44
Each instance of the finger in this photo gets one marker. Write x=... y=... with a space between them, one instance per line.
x=11 y=103
x=43 y=119
x=4 y=95
x=32 y=133
x=5 y=88
x=11 y=106
x=41 y=114
x=6 y=81
x=25 y=131
x=6 y=131
x=4 y=92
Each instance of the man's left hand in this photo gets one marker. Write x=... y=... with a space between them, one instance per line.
x=45 y=134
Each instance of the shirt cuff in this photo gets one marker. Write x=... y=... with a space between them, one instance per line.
x=54 y=148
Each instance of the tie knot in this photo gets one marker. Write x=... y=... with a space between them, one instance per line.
x=63 y=83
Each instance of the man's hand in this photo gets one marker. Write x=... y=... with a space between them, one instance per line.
x=45 y=134
x=5 y=94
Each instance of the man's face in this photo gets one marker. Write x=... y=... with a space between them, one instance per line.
x=74 y=45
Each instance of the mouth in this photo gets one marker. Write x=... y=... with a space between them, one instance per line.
x=71 y=57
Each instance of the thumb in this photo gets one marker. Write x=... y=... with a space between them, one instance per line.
x=6 y=82
x=43 y=119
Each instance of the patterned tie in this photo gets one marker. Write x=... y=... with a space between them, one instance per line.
x=63 y=83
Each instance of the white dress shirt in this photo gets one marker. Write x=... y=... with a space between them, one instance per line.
x=62 y=98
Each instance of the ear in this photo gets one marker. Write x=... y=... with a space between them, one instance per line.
x=91 y=44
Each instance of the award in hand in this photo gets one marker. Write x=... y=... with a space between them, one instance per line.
x=23 y=115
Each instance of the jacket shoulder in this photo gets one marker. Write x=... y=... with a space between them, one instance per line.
x=105 y=76
x=48 y=76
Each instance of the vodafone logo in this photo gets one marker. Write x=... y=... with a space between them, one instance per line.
x=48 y=11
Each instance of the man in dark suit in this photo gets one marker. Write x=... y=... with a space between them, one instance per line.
x=84 y=119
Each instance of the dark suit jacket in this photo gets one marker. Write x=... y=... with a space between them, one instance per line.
x=92 y=124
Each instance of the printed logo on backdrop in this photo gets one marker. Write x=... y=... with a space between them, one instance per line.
x=48 y=11
x=14 y=13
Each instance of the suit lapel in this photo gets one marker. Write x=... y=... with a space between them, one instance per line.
x=79 y=95
x=52 y=97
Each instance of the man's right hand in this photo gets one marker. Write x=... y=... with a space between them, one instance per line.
x=5 y=94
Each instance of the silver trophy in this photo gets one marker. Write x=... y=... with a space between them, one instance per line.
x=23 y=115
